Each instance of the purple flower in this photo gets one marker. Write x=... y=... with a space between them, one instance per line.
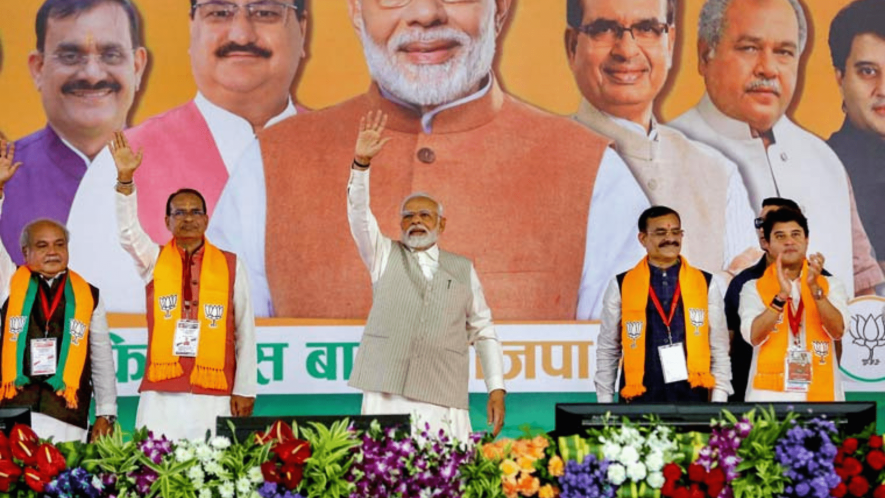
x=807 y=454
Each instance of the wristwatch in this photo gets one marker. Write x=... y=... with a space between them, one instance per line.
x=818 y=294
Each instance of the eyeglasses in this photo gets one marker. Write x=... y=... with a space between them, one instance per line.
x=393 y=4
x=606 y=32
x=108 y=57
x=182 y=213
x=675 y=232
x=264 y=12
x=758 y=222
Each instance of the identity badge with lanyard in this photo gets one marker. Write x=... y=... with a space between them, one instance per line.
x=673 y=362
x=798 y=361
x=44 y=356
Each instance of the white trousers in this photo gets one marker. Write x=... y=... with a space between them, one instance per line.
x=180 y=415
x=455 y=421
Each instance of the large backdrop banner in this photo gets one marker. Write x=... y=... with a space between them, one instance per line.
x=544 y=127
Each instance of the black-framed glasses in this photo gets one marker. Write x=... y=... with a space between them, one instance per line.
x=758 y=222
x=608 y=32
x=264 y=11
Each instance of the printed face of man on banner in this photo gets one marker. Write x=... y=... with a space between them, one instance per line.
x=863 y=84
x=429 y=53
x=621 y=53
x=244 y=50
x=88 y=70
x=749 y=57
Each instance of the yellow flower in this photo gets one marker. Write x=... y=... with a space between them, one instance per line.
x=547 y=491
x=510 y=487
x=509 y=468
x=526 y=464
x=528 y=485
x=555 y=466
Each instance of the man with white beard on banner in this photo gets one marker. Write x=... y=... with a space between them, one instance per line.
x=749 y=53
x=428 y=308
x=457 y=133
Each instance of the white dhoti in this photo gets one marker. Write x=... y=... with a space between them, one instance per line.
x=60 y=432
x=180 y=415
x=454 y=421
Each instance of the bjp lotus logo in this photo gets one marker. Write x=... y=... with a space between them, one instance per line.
x=634 y=331
x=868 y=331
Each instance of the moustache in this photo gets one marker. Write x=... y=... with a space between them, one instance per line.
x=250 y=48
x=764 y=84
x=400 y=40
x=78 y=85
x=668 y=243
x=417 y=227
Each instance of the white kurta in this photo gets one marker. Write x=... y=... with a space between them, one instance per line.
x=95 y=245
x=189 y=415
x=375 y=250
x=752 y=306
x=797 y=166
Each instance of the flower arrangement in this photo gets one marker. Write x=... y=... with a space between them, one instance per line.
x=807 y=452
x=858 y=463
x=521 y=462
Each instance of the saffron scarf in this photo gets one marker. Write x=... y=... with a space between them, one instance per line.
x=634 y=324
x=79 y=305
x=773 y=352
x=212 y=315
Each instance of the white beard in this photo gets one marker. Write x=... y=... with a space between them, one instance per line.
x=421 y=241
x=437 y=84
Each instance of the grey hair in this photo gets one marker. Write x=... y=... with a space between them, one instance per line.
x=25 y=238
x=421 y=195
x=711 y=22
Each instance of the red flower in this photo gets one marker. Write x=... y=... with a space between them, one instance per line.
x=852 y=466
x=295 y=451
x=291 y=475
x=50 y=461
x=875 y=441
x=696 y=492
x=858 y=486
x=715 y=488
x=9 y=473
x=840 y=455
x=669 y=488
x=270 y=472
x=697 y=472
x=5 y=450
x=879 y=492
x=681 y=493
x=35 y=479
x=672 y=472
x=715 y=476
x=839 y=491
x=849 y=446
x=876 y=459
x=280 y=431
x=24 y=443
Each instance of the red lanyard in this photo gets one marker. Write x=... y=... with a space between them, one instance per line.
x=44 y=301
x=667 y=319
x=795 y=320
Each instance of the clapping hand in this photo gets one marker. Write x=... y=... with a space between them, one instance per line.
x=7 y=167
x=126 y=160
x=369 y=142
x=785 y=284
x=815 y=268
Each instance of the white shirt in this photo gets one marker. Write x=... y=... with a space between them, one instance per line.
x=95 y=247
x=797 y=166
x=7 y=268
x=609 y=350
x=145 y=253
x=375 y=250
x=752 y=306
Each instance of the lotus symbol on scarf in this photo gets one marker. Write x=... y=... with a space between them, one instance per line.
x=696 y=315
x=16 y=326
x=868 y=331
x=213 y=312
x=78 y=330
x=634 y=330
x=167 y=304
x=821 y=350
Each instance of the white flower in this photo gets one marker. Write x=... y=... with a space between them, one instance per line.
x=226 y=490
x=183 y=454
x=204 y=453
x=616 y=474
x=243 y=486
x=214 y=468
x=205 y=493
x=255 y=475
x=656 y=480
x=629 y=456
x=654 y=461
x=196 y=475
x=611 y=451
x=637 y=471
x=220 y=442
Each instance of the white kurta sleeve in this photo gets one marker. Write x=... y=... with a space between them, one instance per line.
x=104 y=379
x=608 y=344
x=373 y=246
x=246 y=378
x=751 y=306
x=7 y=268
x=720 y=361
x=838 y=296
x=133 y=238
x=481 y=333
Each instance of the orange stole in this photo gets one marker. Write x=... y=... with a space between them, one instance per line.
x=773 y=352
x=634 y=301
